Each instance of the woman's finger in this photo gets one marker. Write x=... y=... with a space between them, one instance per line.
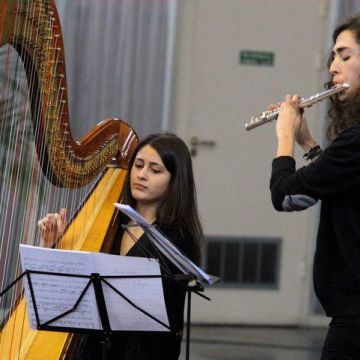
x=41 y=225
x=63 y=215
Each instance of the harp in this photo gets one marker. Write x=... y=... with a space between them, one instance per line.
x=43 y=168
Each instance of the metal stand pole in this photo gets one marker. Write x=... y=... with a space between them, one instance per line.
x=188 y=325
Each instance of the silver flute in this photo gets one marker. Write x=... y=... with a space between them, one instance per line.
x=270 y=115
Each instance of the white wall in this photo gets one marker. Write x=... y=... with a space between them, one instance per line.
x=213 y=97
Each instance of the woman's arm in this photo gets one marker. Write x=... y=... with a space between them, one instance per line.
x=336 y=170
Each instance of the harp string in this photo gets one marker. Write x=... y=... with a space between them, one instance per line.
x=26 y=194
x=12 y=172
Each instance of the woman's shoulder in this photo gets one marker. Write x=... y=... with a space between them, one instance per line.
x=347 y=139
x=180 y=237
x=176 y=233
x=353 y=131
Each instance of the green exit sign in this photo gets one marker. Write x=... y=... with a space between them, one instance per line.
x=258 y=58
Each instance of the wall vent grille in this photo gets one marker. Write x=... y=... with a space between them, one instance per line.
x=243 y=261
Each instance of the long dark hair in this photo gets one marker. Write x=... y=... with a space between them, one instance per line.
x=344 y=114
x=178 y=205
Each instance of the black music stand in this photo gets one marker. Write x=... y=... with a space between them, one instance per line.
x=97 y=280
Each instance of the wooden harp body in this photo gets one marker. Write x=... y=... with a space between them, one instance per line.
x=44 y=168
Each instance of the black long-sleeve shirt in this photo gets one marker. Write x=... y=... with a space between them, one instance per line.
x=334 y=178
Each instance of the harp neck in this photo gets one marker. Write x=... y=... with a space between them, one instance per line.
x=33 y=28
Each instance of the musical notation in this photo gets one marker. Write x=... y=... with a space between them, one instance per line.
x=56 y=294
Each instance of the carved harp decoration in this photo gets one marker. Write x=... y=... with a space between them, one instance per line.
x=43 y=168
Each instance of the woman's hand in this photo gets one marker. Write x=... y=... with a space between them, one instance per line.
x=289 y=119
x=52 y=226
x=288 y=125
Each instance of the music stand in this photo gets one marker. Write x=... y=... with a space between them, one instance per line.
x=164 y=249
x=96 y=280
x=197 y=288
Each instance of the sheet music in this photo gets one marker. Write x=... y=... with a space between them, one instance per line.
x=166 y=247
x=56 y=294
x=122 y=315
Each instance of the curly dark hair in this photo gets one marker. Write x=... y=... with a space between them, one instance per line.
x=343 y=114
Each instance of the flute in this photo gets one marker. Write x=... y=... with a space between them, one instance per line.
x=270 y=115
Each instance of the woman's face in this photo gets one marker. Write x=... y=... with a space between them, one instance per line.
x=345 y=67
x=149 y=178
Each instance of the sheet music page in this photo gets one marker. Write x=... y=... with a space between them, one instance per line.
x=56 y=294
x=166 y=247
x=146 y=293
